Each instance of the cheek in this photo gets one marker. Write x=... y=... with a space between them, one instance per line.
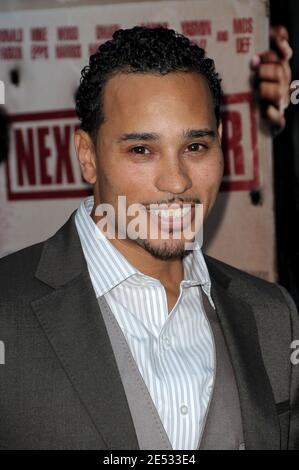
x=128 y=179
x=217 y=173
x=208 y=176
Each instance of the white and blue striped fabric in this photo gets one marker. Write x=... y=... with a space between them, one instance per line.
x=174 y=352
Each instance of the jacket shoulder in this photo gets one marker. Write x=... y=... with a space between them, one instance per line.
x=251 y=285
x=232 y=272
x=268 y=299
x=17 y=270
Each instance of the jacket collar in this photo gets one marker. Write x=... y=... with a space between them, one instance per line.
x=71 y=320
x=62 y=258
x=236 y=317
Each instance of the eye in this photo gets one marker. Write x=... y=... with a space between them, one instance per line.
x=140 y=150
x=196 y=147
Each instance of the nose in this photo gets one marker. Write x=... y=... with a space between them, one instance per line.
x=173 y=177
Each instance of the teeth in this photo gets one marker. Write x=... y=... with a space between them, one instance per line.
x=175 y=213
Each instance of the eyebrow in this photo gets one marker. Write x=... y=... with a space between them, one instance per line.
x=188 y=134
x=195 y=133
x=138 y=136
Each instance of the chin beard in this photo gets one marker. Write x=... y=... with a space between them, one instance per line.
x=165 y=251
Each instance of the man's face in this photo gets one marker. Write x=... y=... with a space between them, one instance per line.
x=159 y=143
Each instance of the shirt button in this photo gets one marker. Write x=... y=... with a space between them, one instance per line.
x=166 y=342
x=184 y=409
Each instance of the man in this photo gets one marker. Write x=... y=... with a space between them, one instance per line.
x=137 y=342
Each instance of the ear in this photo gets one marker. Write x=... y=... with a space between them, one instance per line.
x=86 y=155
x=220 y=129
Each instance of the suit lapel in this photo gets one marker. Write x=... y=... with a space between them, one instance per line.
x=260 y=422
x=71 y=319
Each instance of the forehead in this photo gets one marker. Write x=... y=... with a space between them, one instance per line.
x=143 y=97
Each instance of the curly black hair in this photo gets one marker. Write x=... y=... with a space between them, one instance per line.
x=144 y=50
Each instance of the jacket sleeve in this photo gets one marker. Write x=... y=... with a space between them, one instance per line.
x=294 y=382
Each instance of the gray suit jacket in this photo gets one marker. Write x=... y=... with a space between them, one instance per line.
x=60 y=387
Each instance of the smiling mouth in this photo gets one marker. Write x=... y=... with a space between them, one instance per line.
x=175 y=213
x=175 y=219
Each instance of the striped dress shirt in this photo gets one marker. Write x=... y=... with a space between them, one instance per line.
x=175 y=352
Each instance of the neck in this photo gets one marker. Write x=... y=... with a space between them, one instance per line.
x=169 y=272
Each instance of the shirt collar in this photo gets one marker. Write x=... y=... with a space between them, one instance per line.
x=108 y=267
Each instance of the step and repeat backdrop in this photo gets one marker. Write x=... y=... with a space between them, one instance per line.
x=42 y=51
